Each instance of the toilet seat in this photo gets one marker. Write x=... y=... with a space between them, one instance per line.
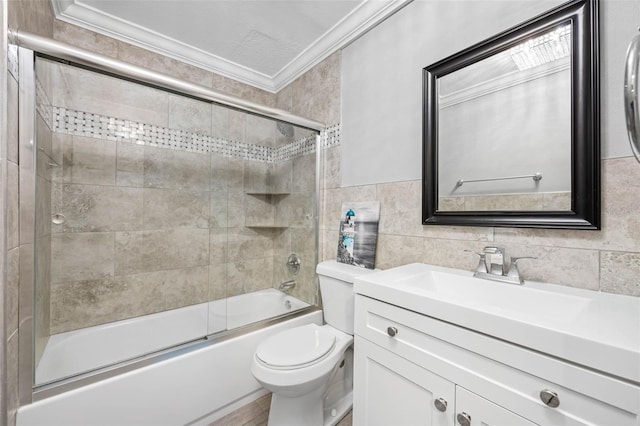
x=296 y=348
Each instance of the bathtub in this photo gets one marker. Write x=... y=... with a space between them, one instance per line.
x=77 y=351
x=194 y=385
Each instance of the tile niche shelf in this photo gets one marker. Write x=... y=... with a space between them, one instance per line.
x=265 y=186
x=262 y=209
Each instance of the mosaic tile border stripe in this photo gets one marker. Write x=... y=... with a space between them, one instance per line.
x=330 y=136
x=79 y=123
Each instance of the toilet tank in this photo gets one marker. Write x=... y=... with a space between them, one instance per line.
x=336 y=289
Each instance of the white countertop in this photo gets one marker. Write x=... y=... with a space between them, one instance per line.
x=594 y=329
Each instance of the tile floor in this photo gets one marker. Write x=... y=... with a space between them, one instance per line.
x=256 y=413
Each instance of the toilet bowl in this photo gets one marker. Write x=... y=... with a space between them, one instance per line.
x=309 y=369
x=297 y=366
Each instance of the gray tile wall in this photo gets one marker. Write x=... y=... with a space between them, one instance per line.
x=606 y=260
x=215 y=226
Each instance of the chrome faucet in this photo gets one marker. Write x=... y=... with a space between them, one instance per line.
x=492 y=266
x=287 y=286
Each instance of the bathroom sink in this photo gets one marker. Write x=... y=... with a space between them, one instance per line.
x=524 y=303
x=594 y=329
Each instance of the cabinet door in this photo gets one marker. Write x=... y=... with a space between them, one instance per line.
x=473 y=410
x=389 y=390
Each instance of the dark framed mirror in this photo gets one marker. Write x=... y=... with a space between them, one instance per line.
x=511 y=127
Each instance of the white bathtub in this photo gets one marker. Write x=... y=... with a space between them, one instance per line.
x=194 y=387
x=74 y=352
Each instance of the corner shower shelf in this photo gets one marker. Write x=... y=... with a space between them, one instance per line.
x=265 y=208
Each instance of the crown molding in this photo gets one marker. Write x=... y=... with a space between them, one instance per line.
x=103 y=23
x=363 y=18
x=502 y=82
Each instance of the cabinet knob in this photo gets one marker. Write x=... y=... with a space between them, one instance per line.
x=441 y=404
x=550 y=398
x=392 y=331
x=464 y=419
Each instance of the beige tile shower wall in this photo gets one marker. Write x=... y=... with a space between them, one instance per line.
x=316 y=95
x=136 y=239
x=133 y=243
x=211 y=224
x=606 y=260
x=296 y=210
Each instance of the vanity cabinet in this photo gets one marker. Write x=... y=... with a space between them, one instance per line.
x=412 y=369
x=401 y=393
x=395 y=391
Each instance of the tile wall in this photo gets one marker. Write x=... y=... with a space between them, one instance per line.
x=179 y=202
x=606 y=260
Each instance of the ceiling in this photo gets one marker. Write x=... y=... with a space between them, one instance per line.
x=264 y=43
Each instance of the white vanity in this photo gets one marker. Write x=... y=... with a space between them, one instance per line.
x=436 y=346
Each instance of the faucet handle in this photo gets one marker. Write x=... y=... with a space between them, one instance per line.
x=514 y=260
x=513 y=268
x=482 y=264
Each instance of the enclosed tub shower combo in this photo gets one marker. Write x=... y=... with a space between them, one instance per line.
x=171 y=236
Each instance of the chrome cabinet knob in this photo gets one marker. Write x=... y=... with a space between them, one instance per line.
x=441 y=404
x=549 y=398
x=392 y=331
x=464 y=419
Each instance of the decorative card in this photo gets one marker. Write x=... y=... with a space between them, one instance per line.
x=359 y=233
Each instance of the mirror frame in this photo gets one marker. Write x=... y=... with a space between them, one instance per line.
x=585 y=126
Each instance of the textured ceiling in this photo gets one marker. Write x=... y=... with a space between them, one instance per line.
x=260 y=42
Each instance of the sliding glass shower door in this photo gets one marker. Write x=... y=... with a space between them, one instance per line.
x=157 y=214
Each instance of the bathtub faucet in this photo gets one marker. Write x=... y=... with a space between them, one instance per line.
x=287 y=286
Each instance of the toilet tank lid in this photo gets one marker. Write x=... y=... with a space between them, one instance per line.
x=341 y=271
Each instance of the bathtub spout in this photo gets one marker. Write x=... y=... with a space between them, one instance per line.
x=287 y=286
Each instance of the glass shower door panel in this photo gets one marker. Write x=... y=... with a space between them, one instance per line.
x=272 y=201
x=123 y=212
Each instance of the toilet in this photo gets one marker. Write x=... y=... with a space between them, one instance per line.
x=309 y=368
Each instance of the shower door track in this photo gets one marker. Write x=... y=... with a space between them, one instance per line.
x=66 y=384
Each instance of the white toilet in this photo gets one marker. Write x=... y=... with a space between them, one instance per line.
x=309 y=369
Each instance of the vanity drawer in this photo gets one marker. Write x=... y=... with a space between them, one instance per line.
x=507 y=374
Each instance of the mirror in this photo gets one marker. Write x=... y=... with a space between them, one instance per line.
x=511 y=127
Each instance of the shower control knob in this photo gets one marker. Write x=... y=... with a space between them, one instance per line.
x=549 y=398
x=392 y=331
x=464 y=419
x=441 y=404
